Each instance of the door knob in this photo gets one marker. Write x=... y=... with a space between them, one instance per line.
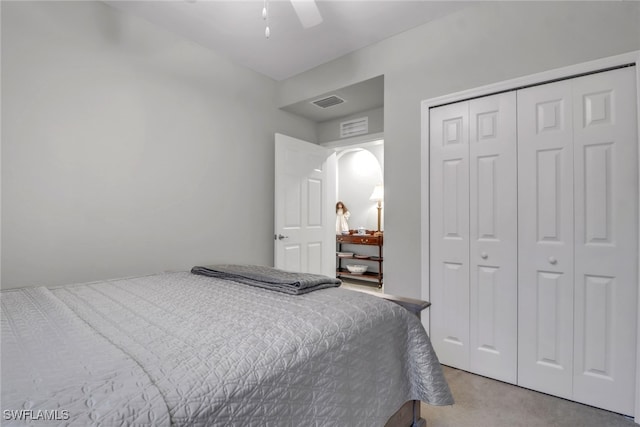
x=484 y=255
x=280 y=237
x=553 y=260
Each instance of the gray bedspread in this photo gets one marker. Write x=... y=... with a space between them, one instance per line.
x=201 y=351
x=57 y=371
x=269 y=278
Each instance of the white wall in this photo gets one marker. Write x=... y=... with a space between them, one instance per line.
x=128 y=150
x=359 y=171
x=489 y=42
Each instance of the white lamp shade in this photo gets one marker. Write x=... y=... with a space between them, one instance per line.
x=378 y=193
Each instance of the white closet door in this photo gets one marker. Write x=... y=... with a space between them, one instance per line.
x=545 y=238
x=606 y=230
x=449 y=223
x=493 y=236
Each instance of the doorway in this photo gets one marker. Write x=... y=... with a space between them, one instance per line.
x=359 y=174
x=353 y=128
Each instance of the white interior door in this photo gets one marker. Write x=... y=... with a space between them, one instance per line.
x=449 y=224
x=578 y=239
x=578 y=226
x=305 y=187
x=474 y=235
x=606 y=239
x=545 y=238
x=493 y=237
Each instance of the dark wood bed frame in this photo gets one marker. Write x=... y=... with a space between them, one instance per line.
x=409 y=414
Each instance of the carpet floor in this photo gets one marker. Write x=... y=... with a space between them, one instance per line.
x=483 y=402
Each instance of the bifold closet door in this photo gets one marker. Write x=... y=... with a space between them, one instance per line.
x=545 y=238
x=473 y=227
x=578 y=238
x=449 y=225
x=493 y=231
x=606 y=239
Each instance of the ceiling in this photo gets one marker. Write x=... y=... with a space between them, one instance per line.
x=236 y=29
x=359 y=97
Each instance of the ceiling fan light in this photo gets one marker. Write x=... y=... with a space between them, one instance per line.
x=267 y=32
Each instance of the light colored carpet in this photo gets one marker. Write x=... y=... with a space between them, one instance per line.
x=483 y=402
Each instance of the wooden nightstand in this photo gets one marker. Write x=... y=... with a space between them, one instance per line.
x=370 y=260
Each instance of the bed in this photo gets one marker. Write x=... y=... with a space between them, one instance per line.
x=184 y=349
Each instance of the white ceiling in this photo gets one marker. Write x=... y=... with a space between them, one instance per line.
x=235 y=29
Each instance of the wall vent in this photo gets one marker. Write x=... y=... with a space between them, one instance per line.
x=329 y=101
x=354 y=127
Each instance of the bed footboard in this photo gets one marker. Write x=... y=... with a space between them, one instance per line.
x=415 y=306
x=407 y=416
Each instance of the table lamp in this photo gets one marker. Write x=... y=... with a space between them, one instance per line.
x=378 y=195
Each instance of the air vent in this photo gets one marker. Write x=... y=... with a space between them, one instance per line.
x=354 y=127
x=329 y=101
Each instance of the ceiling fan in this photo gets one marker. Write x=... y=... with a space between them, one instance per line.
x=307 y=11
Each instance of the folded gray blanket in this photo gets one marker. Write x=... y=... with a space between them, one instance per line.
x=269 y=278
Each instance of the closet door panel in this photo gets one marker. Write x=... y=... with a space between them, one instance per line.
x=545 y=238
x=493 y=236
x=606 y=230
x=449 y=223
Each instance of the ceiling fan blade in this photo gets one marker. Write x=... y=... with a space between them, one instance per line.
x=307 y=12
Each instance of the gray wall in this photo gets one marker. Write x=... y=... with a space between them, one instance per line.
x=487 y=43
x=128 y=150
